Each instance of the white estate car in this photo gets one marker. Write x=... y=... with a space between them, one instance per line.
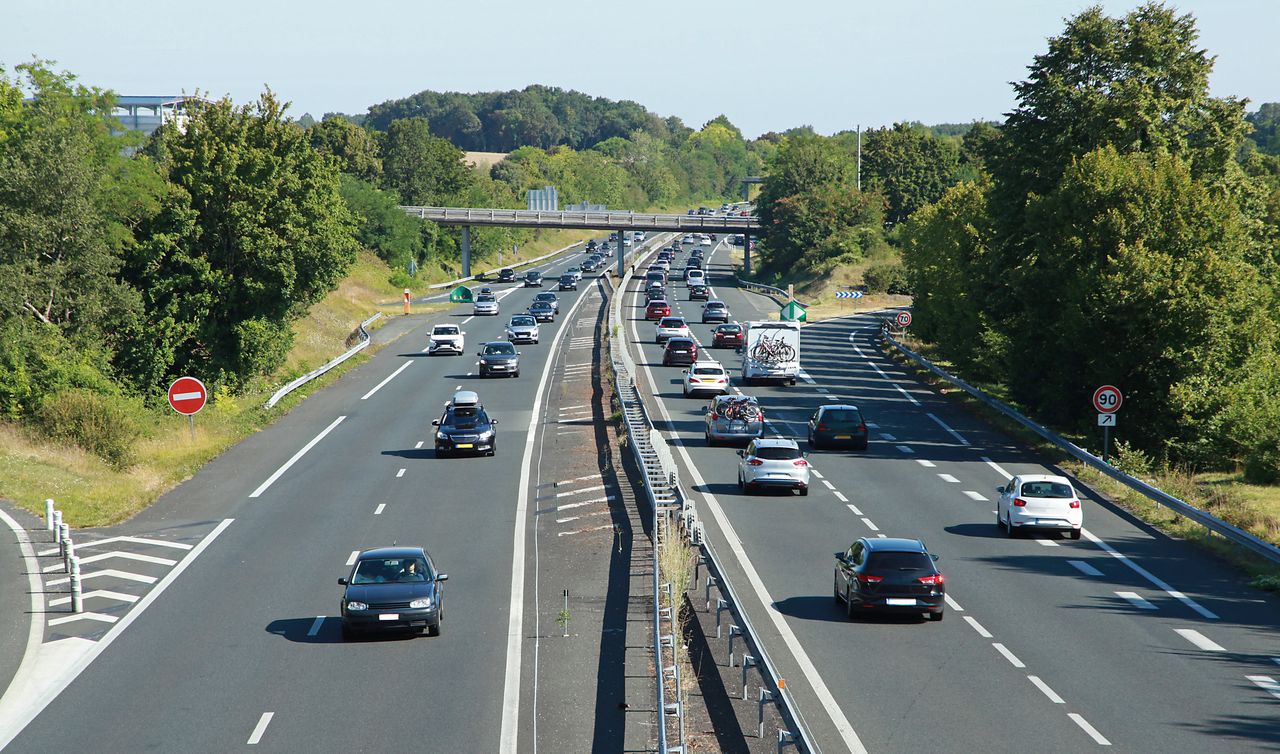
x=694 y=276
x=671 y=327
x=446 y=339
x=773 y=462
x=705 y=377
x=1039 y=501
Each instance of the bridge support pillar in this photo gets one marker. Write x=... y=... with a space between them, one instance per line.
x=466 y=251
x=746 y=256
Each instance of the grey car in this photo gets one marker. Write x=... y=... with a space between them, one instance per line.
x=499 y=358
x=523 y=328
x=733 y=418
x=551 y=298
x=715 y=311
x=392 y=589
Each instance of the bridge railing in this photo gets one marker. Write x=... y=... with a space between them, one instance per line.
x=585 y=219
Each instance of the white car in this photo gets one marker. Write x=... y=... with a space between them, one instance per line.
x=661 y=264
x=773 y=462
x=705 y=241
x=705 y=377
x=626 y=242
x=575 y=271
x=1039 y=501
x=671 y=327
x=694 y=276
x=485 y=304
x=522 y=328
x=446 y=339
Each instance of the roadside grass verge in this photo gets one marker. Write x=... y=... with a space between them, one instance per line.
x=1254 y=508
x=818 y=291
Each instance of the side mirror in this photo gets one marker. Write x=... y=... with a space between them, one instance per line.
x=740 y=455
x=442 y=577
x=479 y=353
x=840 y=556
x=517 y=353
x=435 y=422
x=342 y=581
x=935 y=557
x=1000 y=490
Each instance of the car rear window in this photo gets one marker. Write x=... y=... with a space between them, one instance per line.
x=777 y=453
x=671 y=322
x=730 y=328
x=1046 y=489
x=708 y=370
x=842 y=416
x=899 y=561
x=679 y=344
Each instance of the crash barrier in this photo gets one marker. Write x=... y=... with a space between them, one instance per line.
x=309 y=376
x=1204 y=518
x=668 y=503
x=777 y=294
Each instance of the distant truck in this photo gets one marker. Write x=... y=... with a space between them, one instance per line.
x=771 y=351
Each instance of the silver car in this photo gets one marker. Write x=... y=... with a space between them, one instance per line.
x=773 y=462
x=733 y=418
x=522 y=328
x=485 y=304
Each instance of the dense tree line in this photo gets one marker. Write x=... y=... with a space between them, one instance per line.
x=1118 y=232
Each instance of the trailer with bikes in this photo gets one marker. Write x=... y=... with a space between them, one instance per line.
x=771 y=351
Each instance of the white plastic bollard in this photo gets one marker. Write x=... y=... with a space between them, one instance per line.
x=64 y=538
x=70 y=558
x=77 y=597
x=57 y=525
x=48 y=514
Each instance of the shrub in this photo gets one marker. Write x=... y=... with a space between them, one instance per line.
x=1262 y=465
x=105 y=425
x=887 y=277
x=1131 y=460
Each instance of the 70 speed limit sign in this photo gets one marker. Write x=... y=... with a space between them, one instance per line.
x=1107 y=399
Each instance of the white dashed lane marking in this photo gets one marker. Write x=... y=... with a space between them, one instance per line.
x=260 y=728
x=855 y=510
x=1044 y=687
x=904 y=448
x=1084 y=568
x=1010 y=656
x=315 y=625
x=954 y=605
x=926 y=464
x=840 y=496
x=984 y=633
x=1266 y=683
x=400 y=473
x=948 y=478
x=870 y=525
x=352 y=560
x=1048 y=542
x=975 y=495
x=1087 y=728
x=1199 y=639
x=1136 y=600
x=381 y=507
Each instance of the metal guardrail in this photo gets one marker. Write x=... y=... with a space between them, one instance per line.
x=1205 y=519
x=617 y=220
x=666 y=497
x=535 y=260
x=309 y=376
x=768 y=290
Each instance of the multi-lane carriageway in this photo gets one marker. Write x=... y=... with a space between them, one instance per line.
x=1124 y=638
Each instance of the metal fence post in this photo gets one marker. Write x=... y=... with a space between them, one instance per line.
x=733 y=631
x=785 y=738
x=747 y=662
x=721 y=606
x=765 y=697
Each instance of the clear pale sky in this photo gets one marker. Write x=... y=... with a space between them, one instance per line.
x=767 y=65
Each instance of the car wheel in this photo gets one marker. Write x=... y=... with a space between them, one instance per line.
x=813 y=441
x=516 y=373
x=1008 y=528
x=742 y=486
x=347 y=633
x=434 y=629
x=835 y=589
x=442 y=453
x=535 y=341
x=936 y=616
x=1075 y=533
x=804 y=491
x=848 y=603
x=710 y=441
x=999 y=521
x=861 y=446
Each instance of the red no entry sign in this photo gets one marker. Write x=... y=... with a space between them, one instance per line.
x=903 y=319
x=187 y=395
x=1107 y=399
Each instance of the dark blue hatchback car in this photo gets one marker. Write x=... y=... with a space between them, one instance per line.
x=393 y=589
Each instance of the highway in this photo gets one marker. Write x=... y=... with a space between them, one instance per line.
x=243 y=646
x=1124 y=638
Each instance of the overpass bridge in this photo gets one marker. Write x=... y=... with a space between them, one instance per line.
x=581 y=220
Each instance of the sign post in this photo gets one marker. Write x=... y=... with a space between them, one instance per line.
x=1107 y=400
x=187 y=396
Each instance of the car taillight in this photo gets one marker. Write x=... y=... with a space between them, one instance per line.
x=867 y=578
x=1019 y=502
x=822 y=426
x=862 y=428
x=933 y=580
x=714 y=416
x=754 y=462
x=799 y=462
x=1075 y=503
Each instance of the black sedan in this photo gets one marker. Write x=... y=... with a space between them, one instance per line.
x=393 y=589
x=499 y=358
x=506 y=275
x=889 y=575
x=838 y=424
x=568 y=283
x=699 y=291
x=465 y=427
x=542 y=311
x=533 y=279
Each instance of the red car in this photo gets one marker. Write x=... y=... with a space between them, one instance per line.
x=680 y=351
x=657 y=310
x=727 y=336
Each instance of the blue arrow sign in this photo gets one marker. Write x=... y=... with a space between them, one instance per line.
x=848 y=294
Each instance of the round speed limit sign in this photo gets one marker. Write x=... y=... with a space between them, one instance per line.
x=1107 y=399
x=903 y=319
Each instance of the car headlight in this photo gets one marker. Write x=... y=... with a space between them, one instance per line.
x=441 y=436
x=357 y=606
x=423 y=602
x=486 y=433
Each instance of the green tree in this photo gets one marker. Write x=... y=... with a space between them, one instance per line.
x=382 y=227
x=909 y=165
x=421 y=168
x=355 y=149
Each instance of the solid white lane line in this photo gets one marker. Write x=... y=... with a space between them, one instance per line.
x=855 y=510
x=389 y=378
x=984 y=633
x=1184 y=599
x=975 y=495
x=1087 y=728
x=948 y=478
x=260 y=728
x=1010 y=656
x=954 y=605
x=997 y=468
x=829 y=485
x=315 y=625
x=596 y=488
x=879 y=371
x=904 y=448
x=1048 y=542
x=1200 y=640
x=280 y=471
x=352 y=559
x=870 y=525
x=909 y=396
x=418 y=446
x=1136 y=600
x=949 y=430
x=381 y=507
x=926 y=464
x=1085 y=568
x=840 y=496
x=1044 y=687
x=400 y=473
x=1266 y=683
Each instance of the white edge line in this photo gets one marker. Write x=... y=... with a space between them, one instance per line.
x=508 y=739
x=57 y=686
x=260 y=728
x=280 y=471
x=389 y=378
x=997 y=468
x=35 y=631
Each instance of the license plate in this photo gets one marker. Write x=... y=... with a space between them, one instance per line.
x=464 y=445
x=389 y=616
x=844 y=437
x=899 y=601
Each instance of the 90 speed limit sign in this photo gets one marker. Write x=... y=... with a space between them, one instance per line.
x=1107 y=399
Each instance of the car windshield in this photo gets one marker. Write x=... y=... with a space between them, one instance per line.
x=445 y=330
x=540 y=305
x=505 y=349
x=1046 y=489
x=899 y=561
x=708 y=370
x=485 y=297
x=522 y=322
x=533 y=275
x=391 y=571
x=777 y=453
x=842 y=416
